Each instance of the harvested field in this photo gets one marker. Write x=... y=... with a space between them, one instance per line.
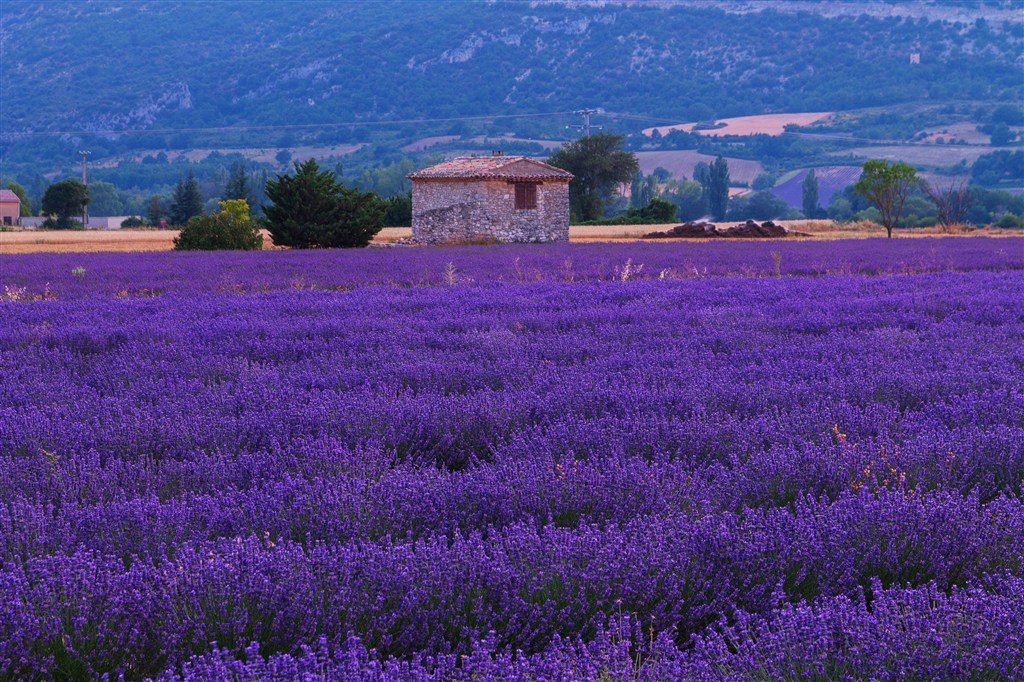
x=94 y=241
x=682 y=162
x=925 y=154
x=765 y=124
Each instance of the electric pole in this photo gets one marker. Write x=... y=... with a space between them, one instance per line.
x=585 y=113
x=85 y=181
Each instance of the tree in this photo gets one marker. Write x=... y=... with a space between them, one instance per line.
x=237 y=186
x=65 y=199
x=186 y=201
x=312 y=209
x=809 y=193
x=951 y=201
x=229 y=229
x=599 y=164
x=155 y=211
x=399 y=210
x=689 y=198
x=104 y=200
x=886 y=187
x=26 y=205
x=714 y=180
x=1002 y=135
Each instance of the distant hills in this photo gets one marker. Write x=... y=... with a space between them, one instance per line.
x=179 y=75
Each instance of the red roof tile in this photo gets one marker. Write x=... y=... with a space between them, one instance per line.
x=497 y=167
x=8 y=195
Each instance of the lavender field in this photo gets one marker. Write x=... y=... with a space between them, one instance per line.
x=613 y=462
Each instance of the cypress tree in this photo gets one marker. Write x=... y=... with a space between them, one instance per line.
x=810 y=195
x=187 y=201
x=237 y=186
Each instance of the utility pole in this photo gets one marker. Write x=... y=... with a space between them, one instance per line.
x=585 y=113
x=85 y=181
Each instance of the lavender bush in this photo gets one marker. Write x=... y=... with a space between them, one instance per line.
x=526 y=463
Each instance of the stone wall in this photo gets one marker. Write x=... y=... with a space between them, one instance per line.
x=456 y=211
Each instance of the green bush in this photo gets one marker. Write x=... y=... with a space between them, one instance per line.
x=1009 y=220
x=230 y=229
x=134 y=221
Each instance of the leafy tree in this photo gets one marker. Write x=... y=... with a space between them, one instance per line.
x=312 y=209
x=65 y=199
x=1002 y=135
x=237 y=186
x=809 y=193
x=186 y=201
x=104 y=199
x=229 y=229
x=688 y=196
x=599 y=164
x=886 y=187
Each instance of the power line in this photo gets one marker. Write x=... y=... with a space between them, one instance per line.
x=585 y=127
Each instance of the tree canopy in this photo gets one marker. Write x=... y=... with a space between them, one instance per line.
x=886 y=186
x=229 y=229
x=599 y=163
x=65 y=199
x=312 y=209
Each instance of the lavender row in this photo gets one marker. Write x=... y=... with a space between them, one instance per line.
x=906 y=634
x=147 y=274
x=439 y=595
x=421 y=466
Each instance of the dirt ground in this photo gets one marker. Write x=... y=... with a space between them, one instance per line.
x=39 y=241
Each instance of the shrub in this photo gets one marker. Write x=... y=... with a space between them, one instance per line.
x=230 y=229
x=134 y=221
x=1009 y=220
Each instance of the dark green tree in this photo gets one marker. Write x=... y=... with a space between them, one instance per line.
x=809 y=194
x=716 y=186
x=65 y=199
x=186 y=201
x=886 y=187
x=104 y=200
x=689 y=197
x=26 y=205
x=238 y=186
x=599 y=164
x=312 y=209
x=229 y=229
x=399 y=210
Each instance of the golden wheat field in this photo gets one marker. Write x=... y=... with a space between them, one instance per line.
x=40 y=241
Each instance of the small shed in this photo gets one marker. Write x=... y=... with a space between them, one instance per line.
x=10 y=207
x=497 y=197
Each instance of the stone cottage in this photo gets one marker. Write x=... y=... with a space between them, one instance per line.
x=504 y=198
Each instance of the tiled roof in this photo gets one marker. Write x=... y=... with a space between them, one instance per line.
x=499 y=167
x=8 y=195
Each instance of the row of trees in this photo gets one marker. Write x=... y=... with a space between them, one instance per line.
x=308 y=209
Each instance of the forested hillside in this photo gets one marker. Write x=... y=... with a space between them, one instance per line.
x=170 y=66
